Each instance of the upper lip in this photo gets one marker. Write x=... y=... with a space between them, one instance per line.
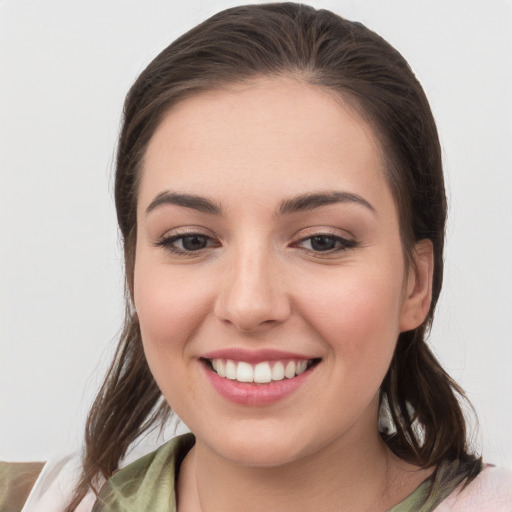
x=254 y=356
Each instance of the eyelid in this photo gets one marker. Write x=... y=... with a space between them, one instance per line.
x=185 y=231
x=167 y=239
x=312 y=231
x=347 y=241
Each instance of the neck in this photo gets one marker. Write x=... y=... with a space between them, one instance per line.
x=356 y=472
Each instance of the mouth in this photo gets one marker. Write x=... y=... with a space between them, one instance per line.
x=264 y=372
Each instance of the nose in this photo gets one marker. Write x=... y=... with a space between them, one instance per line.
x=252 y=292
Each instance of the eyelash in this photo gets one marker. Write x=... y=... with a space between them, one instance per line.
x=343 y=243
x=167 y=243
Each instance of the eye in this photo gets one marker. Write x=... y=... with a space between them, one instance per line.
x=187 y=243
x=326 y=243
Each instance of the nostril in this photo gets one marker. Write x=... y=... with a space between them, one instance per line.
x=251 y=296
x=251 y=316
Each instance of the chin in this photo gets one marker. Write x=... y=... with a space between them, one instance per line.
x=261 y=447
x=256 y=454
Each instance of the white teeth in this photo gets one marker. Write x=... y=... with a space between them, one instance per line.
x=244 y=372
x=261 y=373
x=289 y=371
x=230 y=370
x=301 y=367
x=219 y=367
x=278 y=371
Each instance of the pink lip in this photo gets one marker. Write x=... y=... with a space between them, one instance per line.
x=255 y=394
x=254 y=356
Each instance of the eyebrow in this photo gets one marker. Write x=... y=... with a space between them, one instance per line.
x=302 y=202
x=314 y=200
x=199 y=203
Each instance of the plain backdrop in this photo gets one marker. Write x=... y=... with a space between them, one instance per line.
x=65 y=67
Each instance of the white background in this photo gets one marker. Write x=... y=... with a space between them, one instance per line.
x=65 y=67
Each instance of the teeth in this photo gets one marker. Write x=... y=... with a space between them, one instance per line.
x=301 y=367
x=289 y=371
x=230 y=370
x=261 y=373
x=278 y=371
x=219 y=367
x=244 y=372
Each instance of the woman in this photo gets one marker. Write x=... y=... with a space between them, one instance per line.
x=280 y=194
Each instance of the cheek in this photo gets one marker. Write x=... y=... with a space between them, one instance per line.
x=170 y=308
x=357 y=313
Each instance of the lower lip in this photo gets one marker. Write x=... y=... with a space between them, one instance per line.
x=256 y=394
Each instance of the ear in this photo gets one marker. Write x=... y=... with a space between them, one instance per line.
x=418 y=293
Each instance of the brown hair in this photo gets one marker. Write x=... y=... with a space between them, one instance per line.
x=318 y=48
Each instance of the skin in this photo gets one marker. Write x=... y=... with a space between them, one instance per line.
x=260 y=283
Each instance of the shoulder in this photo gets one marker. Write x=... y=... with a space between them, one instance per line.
x=16 y=482
x=40 y=487
x=163 y=460
x=490 y=490
x=148 y=482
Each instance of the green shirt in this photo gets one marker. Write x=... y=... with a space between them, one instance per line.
x=148 y=483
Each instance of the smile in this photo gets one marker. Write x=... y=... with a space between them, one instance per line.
x=261 y=382
x=262 y=372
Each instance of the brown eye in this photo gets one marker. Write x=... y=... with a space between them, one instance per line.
x=326 y=243
x=323 y=243
x=187 y=243
x=194 y=242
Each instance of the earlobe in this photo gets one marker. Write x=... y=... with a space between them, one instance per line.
x=419 y=286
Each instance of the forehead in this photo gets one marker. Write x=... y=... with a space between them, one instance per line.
x=272 y=135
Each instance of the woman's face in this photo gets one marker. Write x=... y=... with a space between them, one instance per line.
x=268 y=243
